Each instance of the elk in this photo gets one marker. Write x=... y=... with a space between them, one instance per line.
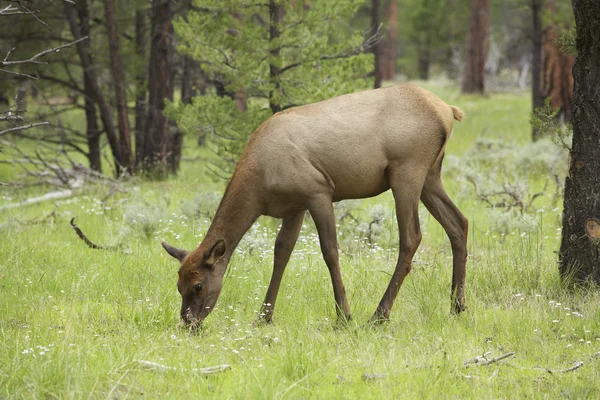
x=305 y=158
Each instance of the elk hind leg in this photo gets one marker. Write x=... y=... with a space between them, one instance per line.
x=455 y=224
x=406 y=196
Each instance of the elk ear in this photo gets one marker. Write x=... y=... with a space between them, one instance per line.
x=174 y=251
x=217 y=251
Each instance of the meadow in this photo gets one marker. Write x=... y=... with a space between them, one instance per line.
x=75 y=322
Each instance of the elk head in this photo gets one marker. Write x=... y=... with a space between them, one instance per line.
x=199 y=280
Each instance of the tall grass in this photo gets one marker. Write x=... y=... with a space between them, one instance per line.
x=73 y=321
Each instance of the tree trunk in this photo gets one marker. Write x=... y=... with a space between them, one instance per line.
x=91 y=113
x=140 y=81
x=388 y=44
x=90 y=79
x=157 y=128
x=92 y=133
x=21 y=97
x=119 y=86
x=536 y=70
x=451 y=66
x=424 y=59
x=187 y=80
x=276 y=13
x=477 y=44
x=377 y=46
x=580 y=245
x=557 y=76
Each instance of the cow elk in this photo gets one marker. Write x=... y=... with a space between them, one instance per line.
x=305 y=158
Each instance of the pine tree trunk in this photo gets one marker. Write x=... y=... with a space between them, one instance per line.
x=580 y=246
x=424 y=59
x=140 y=82
x=79 y=30
x=92 y=134
x=477 y=44
x=557 y=67
x=388 y=44
x=451 y=67
x=157 y=128
x=276 y=13
x=536 y=69
x=119 y=87
x=377 y=47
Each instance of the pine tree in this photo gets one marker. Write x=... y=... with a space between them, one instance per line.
x=267 y=56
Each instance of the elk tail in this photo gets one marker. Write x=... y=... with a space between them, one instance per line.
x=458 y=113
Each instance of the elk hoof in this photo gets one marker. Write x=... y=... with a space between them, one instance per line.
x=457 y=308
x=379 y=317
x=263 y=319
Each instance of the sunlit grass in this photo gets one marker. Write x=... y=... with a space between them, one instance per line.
x=73 y=321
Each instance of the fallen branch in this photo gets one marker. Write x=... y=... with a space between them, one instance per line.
x=60 y=194
x=577 y=365
x=373 y=377
x=205 y=371
x=477 y=359
x=495 y=360
x=87 y=241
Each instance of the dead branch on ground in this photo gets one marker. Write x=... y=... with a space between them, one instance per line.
x=491 y=361
x=87 y=241
x=575 y=366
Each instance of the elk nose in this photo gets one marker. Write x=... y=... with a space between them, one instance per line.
x=186 y=316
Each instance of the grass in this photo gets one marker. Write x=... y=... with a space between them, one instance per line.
x=74 y=320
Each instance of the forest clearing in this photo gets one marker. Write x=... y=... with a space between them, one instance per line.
x=76 y=320
x=122 y=122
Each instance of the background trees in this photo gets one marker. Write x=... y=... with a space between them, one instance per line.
x=107 y=104
x=268 y=57
x=477 y=47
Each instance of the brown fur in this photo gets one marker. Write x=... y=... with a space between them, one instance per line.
x=353 y=146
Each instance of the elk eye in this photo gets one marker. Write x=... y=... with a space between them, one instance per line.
x=198 y=287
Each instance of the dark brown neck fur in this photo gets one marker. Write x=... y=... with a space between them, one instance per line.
x=239 y=208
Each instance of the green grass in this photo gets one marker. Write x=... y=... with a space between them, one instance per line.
x=73 y=321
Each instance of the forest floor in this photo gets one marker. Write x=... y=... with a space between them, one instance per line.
x=75 y=322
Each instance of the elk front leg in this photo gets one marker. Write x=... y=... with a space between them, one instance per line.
x=406 y=196
x=321 y=210
x=456 y=226
x=284 y=244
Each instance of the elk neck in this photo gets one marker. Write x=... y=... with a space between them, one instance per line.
x=239 y=208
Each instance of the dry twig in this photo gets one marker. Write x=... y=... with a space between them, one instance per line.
x=575 y=366
x=494 y=360
x=87 y=241
x=205 y=371
x=22 y=127
x=477 y=359
x=34 y=58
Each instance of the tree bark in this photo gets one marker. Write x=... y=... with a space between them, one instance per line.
x=557 y=67
x=377 y=47
x=157 y=128
x=424 y=58
x=119 y=87
x=276 y=13
x=187 y=80
x=451 y=67
x=579 y=255
x=477 y=45
x=89 y=73
x=140 y=81
x=388 y=44
x=536 y=69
